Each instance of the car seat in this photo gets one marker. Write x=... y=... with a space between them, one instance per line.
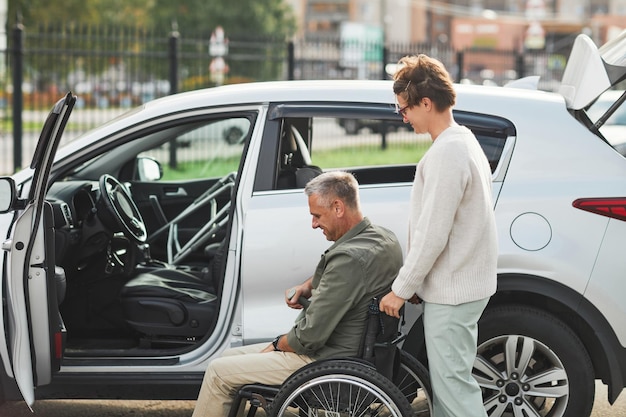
x=174 y=301
x=296 y=168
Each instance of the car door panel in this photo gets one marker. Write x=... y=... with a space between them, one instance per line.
x=172 y=197
x=16 y=302
x=31 y=295
x=34 y=325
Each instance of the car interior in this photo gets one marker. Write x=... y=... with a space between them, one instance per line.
x=135 y=276
x=295 y=166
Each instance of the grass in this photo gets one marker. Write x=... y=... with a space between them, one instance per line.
x=341 y=157
x=201 y=169
x=344 y=157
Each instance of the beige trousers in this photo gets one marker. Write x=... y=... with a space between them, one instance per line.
x=240 y=366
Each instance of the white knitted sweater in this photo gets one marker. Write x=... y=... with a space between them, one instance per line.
x=453 y=251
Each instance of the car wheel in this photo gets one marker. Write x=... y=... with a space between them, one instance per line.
x=232 y=135
x=531 y=363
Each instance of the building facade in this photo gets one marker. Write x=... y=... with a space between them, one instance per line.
x=498 y=24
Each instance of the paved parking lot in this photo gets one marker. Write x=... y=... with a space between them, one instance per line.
x=100 y=408
x=118 y=408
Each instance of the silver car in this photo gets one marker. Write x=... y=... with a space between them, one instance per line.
x=131 y=261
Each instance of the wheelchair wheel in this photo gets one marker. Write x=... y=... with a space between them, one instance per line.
x=338 y=388
x=413 y=380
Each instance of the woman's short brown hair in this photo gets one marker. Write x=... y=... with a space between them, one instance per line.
x=420 y=76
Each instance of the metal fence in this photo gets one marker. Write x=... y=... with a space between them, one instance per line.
x=113 y=69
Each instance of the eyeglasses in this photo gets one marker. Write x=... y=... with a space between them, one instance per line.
x=402 y=110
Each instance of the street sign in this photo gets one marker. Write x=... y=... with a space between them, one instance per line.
x=218 y=44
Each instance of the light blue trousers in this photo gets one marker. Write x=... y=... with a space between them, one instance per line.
x=451 y=334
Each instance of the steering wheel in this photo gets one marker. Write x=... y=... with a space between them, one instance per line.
x=121 y=212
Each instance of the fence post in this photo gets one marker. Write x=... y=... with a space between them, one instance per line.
x=18 y=99
x=173 y=59
x=460 y=64
x=519 y=65
x=291 y=61
x=383 y=72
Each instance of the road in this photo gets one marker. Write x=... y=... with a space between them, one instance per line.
x=118 y=408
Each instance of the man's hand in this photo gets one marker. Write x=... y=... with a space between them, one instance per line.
x=391 y=304
x=293 y=294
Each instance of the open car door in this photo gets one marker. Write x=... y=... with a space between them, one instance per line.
x=35 y=330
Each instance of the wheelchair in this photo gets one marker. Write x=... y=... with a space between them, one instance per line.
x=382 y=381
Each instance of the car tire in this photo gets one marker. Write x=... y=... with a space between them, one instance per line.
x=531 y=363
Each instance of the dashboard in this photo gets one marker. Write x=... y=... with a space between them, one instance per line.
x=79 y=234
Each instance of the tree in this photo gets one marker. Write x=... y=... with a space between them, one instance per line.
x=254 y=18
x=79 y=12
x=96 y=43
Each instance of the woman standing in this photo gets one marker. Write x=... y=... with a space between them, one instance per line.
x=452 y=253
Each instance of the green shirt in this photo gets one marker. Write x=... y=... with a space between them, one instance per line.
x=360 y=265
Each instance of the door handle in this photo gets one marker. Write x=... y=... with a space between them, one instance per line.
x=179 y=192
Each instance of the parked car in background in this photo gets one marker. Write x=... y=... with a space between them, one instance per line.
x=130 y=264
x=231 y=131
x=354 y=126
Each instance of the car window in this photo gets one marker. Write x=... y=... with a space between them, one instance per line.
x=492 y=147
x=369 y=140
x=376 y=151
x=210 y=148
x=352 y=143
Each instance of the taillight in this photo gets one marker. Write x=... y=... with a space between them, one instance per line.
x=614 y=207
x=58 y=345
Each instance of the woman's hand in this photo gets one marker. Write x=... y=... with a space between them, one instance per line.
x=391 y=304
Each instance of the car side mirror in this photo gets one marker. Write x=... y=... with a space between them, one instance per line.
x=7 y=194
x=148 y=169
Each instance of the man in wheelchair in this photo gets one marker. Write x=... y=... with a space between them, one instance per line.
x=360 y=265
